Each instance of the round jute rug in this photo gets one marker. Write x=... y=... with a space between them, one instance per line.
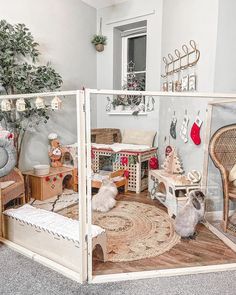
x=134 y=230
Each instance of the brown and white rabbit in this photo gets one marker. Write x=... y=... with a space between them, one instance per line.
x=104 y=200
x=190 y=215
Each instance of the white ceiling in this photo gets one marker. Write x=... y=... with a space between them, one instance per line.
x=103 y=3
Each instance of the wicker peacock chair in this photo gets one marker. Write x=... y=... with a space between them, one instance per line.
x=222 y=150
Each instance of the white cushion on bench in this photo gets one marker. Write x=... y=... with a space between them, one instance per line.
x=50 y=221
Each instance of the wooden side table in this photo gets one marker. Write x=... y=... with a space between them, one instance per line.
x=46 y=186
x=170 y=189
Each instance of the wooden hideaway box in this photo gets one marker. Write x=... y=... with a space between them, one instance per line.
x=138 y=169
x=45 y=186
x=170 y=189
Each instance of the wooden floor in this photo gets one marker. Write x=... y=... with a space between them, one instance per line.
x=207 y=249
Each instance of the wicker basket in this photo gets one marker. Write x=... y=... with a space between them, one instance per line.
x=105 y=135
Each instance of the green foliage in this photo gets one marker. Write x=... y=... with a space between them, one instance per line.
x=99 y=39
x=18 y=55
x=118 y=102
x=20 y=73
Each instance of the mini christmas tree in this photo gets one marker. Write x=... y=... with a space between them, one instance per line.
x=173 y=163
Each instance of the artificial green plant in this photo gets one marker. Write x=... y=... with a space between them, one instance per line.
x=99 y=39
x=20 y=73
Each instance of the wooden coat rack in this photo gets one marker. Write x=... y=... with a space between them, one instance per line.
x=188 y=59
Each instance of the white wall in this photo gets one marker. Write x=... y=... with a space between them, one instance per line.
x=123 y=14
x=191 y=155
x=64 y=29
x=211 y=24
x=184 y=20
x=225 y=73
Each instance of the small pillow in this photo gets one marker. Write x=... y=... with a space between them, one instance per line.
x=138 y=137
x=6 y=184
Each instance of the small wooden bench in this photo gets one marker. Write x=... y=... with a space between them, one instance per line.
x=121 y=183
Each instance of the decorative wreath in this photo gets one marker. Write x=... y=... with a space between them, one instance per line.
x=7 y=156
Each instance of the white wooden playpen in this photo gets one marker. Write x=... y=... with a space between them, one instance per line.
x=84 y=271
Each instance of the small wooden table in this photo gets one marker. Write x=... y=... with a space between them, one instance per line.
x=170 y=189
x=45 y=186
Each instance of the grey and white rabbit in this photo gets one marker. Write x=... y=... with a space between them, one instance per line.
x=104 y=200
x=190 y=215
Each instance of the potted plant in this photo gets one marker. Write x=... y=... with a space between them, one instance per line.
x=99 y=41
x=117 y=105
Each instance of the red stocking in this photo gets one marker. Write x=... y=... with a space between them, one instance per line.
x=195 y=131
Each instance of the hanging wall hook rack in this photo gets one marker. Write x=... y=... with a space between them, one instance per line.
x=189 y=58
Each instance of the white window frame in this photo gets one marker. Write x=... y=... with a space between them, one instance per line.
x=124 y=59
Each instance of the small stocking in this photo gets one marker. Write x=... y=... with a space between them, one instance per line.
x=173 y=127
x=195 y=131
x=184 y=129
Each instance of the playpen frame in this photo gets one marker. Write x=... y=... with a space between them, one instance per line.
x=82 y=275
x=84 y=167
x=155 y=273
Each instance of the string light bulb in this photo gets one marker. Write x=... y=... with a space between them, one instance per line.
x=20 y=105
x=5 y=105
x=39 y=103
x=56 y=103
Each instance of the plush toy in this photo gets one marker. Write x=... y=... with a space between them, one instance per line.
x=56 y=152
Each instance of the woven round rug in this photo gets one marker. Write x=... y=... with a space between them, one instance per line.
x=134 y=230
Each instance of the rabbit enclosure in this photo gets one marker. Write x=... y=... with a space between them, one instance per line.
x=141 y=234
x=151 y=172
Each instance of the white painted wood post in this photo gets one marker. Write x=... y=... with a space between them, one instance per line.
x=206 y=147
x=89 y=186
x=81 y=139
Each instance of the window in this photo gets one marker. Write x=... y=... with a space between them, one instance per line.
x=134 y=59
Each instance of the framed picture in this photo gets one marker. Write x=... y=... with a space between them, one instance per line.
x=170 y=86
x=165 y=86
x=185 y=81
x=178 y=86
x=192 y=82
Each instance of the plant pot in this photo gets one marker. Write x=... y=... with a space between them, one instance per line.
x=99 y=47
x=127 y=108
x=119 y=108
